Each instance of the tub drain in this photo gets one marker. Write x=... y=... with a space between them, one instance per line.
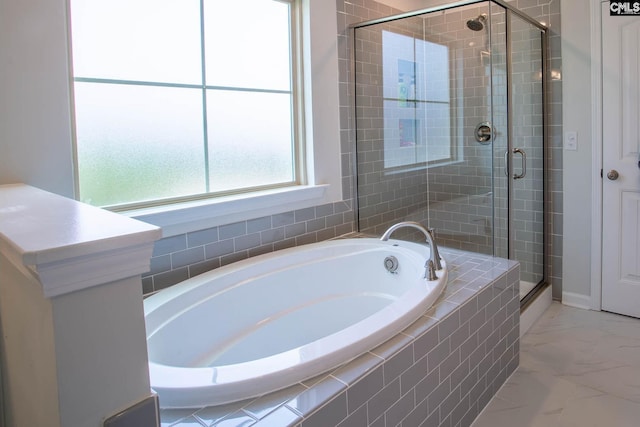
x=391 y=264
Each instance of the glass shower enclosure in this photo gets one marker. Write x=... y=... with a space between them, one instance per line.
x=450 y=129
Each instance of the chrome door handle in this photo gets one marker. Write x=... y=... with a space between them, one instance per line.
x=613 y=175
x=524 y=163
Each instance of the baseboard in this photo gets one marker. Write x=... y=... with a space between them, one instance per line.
x=576 y=300
x=534 y=310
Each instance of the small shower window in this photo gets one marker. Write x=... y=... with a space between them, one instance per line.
x=416 y=98
x=183 y=99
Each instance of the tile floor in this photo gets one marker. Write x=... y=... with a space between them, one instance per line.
x=577 y=368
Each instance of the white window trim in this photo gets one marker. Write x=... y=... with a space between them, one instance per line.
x=322 y=133
x=191 y=216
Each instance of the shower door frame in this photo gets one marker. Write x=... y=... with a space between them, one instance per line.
x=509 y=9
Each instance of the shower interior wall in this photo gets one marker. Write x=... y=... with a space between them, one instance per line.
x=464 y=200
x=455 y=198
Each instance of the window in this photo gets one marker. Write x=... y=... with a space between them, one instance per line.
x=178 y=99
x=416 y=92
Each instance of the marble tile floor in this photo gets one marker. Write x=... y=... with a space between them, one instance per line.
x=577 y=368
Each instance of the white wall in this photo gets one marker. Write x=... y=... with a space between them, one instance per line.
x=578 y=170
x=35 y=129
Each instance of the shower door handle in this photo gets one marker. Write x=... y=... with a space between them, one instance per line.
x=524 y=163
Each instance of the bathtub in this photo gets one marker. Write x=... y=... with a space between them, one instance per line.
x=271 y=321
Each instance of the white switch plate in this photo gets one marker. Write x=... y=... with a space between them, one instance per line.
x=571 y=141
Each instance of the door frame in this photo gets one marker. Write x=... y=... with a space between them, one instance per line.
x=596 y=154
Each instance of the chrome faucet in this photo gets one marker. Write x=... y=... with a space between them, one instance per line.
x=433 y=263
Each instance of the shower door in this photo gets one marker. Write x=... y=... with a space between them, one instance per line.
x=450 y=132
x=523 y=155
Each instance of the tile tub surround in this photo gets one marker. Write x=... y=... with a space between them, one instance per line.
x=441 y=371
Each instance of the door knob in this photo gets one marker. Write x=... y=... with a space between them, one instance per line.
x=613 y=175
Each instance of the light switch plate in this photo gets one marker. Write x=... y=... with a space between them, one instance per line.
x=571 y=141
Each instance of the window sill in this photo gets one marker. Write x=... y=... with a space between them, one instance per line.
x=199 y=215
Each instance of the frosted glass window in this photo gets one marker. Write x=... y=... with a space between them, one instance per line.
x=142 y=40
x=243 y=155
x=178 y=99
x=257 y=52
x=138 y=143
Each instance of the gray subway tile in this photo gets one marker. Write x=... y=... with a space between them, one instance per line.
x=396 y=365
x=439 y=394
x=259 y=224
x=426 y=385
x=160 y=264
x=425 y=343
x=449 y=364
x=439 y=354
x=230 y=231
x=246 y=242
x=399 y=410
x=272 y=235
x=418 y=415
x=170 y=244
x=187 y=257
x=356 y=419
x=202 y=237
x=302 y=215
x=449 y=324
x=329 y=415
x=363 y=390
x=294 y=230
x=282 y=219
x=170 y=278
x=219 y=249
x=384 y=399
x=203 y=267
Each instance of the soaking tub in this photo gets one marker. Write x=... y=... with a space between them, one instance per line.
x=268 y=322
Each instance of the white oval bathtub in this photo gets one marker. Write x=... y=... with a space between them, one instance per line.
x=268 y=322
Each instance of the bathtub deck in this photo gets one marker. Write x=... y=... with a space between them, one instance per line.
x=442 y=370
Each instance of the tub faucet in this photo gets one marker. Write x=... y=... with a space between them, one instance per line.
x=434 y=256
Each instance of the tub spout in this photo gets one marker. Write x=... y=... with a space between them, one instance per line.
x=434 y=255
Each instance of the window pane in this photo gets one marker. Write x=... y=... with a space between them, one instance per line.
x=435 y=59
x=438 y=132
x=142 y=40
x=416 y=95
x=250 y=139
x=247 y=44
x=138 y=143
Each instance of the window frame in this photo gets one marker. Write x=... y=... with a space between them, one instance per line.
x=322 y=151
x=298 y=143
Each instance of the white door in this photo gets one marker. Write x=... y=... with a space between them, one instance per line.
x=620 y=157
